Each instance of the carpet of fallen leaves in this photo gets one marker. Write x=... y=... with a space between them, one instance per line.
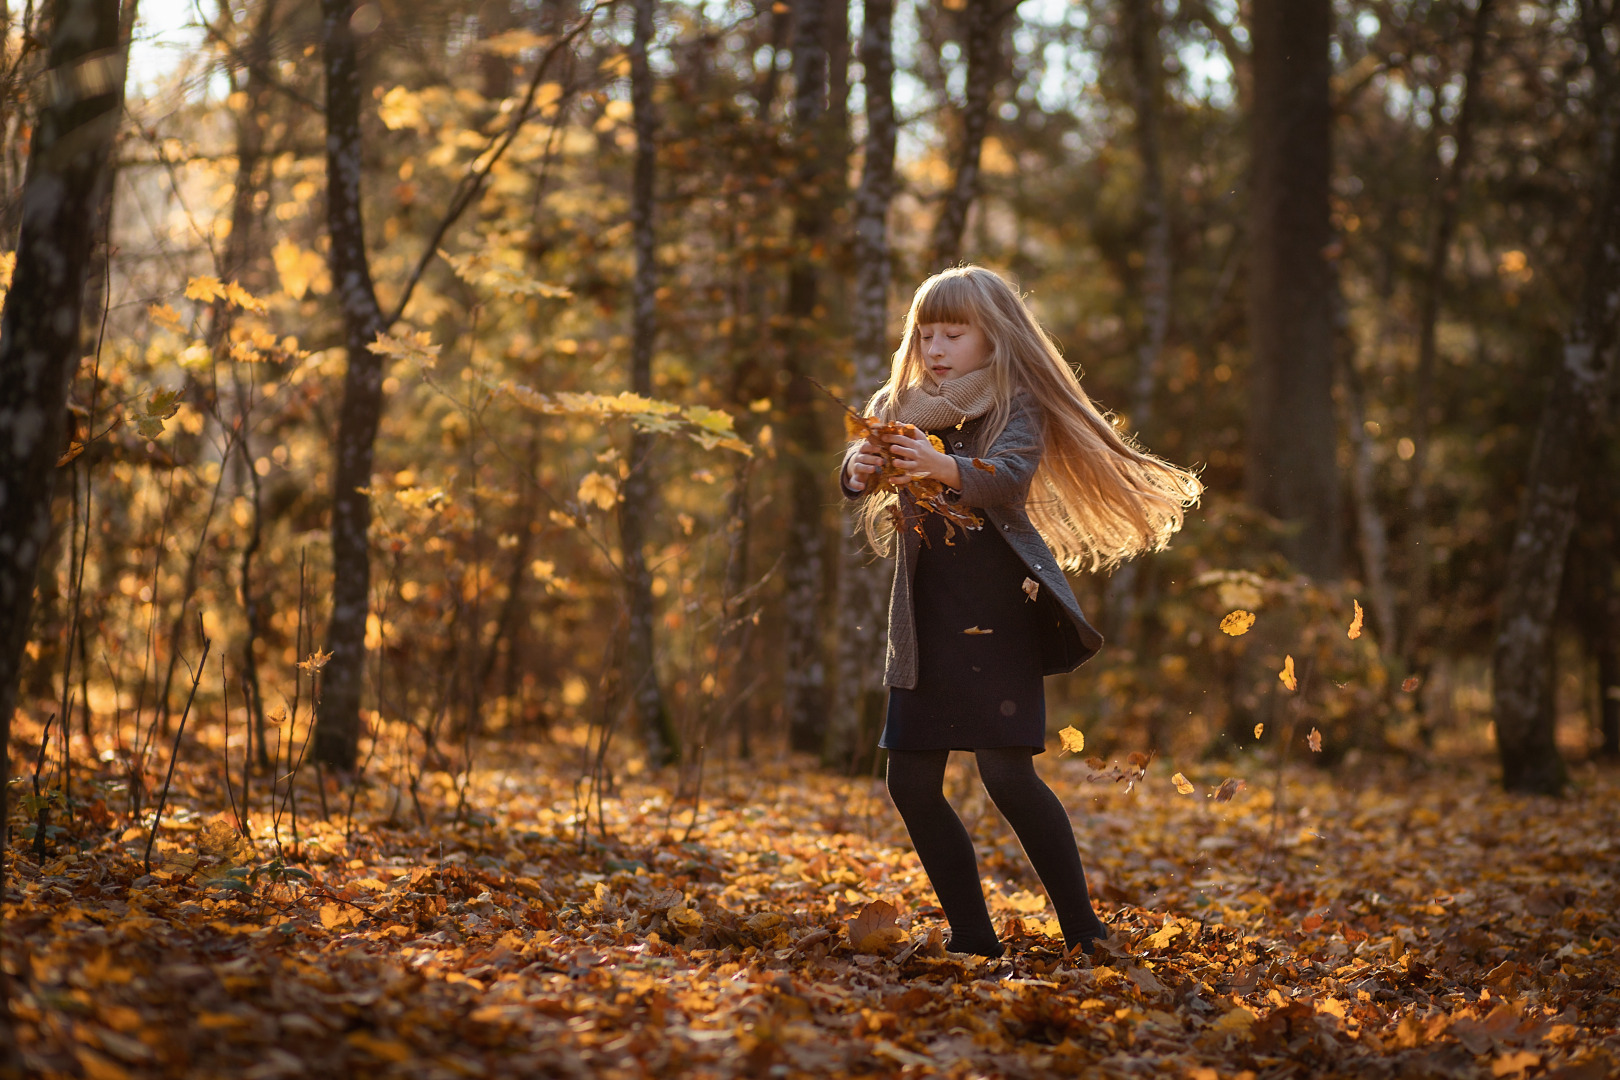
x=1407 y=924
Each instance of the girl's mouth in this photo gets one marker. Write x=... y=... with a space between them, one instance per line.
x=939 y=369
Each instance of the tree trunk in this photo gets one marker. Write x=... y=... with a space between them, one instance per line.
x=1449 y=199
x=1141 y=19
x=337 y=730
x=1290 y=468
x=982 y=34
x=39 y=329
x=862 y=581
x=804 y=690
x=1566 y=446
x=653 y=719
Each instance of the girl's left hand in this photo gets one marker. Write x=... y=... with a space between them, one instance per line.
x=916 y=456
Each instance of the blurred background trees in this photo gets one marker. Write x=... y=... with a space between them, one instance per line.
x=461 y=350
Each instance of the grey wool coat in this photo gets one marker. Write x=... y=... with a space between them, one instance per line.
x=999 y=498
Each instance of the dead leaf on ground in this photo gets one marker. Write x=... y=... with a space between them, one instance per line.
x=874 y=929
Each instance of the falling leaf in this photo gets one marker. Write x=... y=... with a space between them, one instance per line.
x=1138 y=759
x=1095 y=763
x=1314 y=741
x=73 y=451
x=1237 y=623
x=1355 y=623
x=1032 y=588
x=1286 y=675
x=976 y=630
x=1183 y=785
x=984 y=466
x=1259 y=729
x=874 y=929
x=1073 y=740
x=1410 y=683
x=1229 y=787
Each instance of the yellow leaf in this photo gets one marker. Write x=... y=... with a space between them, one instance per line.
x=1183 y=785
x=684 y=919
x=1073 y=740
x=316 y=661
x=1237 y=623
x=1259 y=729
x=1237 y=1022
x=599 y=490
x=73 y=451
x=1355 y=623
x=166 y=317
x=206 y=289
x=235 y=294
x=1286 y=675
x=334 y=916
x=976 y=630
x=301 y=271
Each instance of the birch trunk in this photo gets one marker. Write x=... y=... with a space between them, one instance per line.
x=982 y=32
x=863 y=580
x=337 y=731
x=1566 y=446
x=39 y=329
x=653 y=720
x=805 y=683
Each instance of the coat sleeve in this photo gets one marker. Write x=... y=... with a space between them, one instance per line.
x=1014 y=456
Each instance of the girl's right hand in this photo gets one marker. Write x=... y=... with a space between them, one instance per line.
x=863 y=464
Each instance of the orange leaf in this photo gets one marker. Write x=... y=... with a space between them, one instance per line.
x=984 y=466
x=1355 y=623
x=1286 y=675
x=1229 y=787
x=976 y=630
x=1314 y=741
x=874 y=929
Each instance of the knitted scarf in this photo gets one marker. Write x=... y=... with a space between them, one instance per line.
x=934 y=406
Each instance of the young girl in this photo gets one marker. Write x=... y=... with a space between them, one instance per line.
x=976 y=619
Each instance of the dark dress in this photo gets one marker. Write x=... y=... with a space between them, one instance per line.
x=974 y=691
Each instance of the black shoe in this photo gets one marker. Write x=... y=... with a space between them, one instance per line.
x=994 y=951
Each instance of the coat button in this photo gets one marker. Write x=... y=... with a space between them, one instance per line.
x=1006 y=526
x=1037 y=566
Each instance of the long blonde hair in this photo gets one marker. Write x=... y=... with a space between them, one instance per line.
x=1097 y=498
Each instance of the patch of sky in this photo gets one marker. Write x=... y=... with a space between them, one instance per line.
x=168 y=37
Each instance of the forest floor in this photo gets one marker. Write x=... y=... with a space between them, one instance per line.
x=1402 y=923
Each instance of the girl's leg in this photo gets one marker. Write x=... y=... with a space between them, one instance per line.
x=917 y=785
x=1042 y=825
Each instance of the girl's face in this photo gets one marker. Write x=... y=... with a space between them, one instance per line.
x=951 y=350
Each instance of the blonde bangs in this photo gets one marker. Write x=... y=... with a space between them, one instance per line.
x=947 y=298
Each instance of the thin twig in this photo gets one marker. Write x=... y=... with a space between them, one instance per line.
x=174 y=756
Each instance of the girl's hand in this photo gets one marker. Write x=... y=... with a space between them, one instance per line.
x=862 y=465
x=916 y=456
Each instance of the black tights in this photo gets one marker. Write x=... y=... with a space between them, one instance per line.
x=917 y=785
